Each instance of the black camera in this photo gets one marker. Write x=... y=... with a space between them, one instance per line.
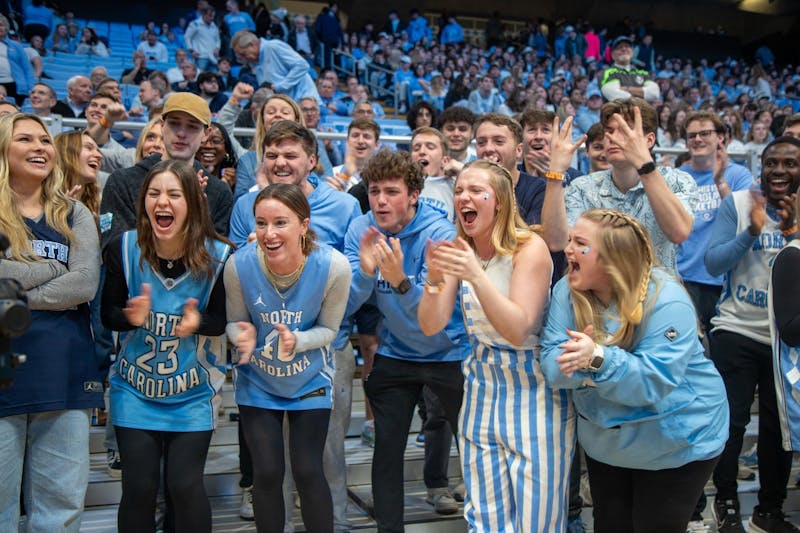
x=15 y=317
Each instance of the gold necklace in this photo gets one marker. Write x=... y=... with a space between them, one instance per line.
x=284 y=281
x=484 y=264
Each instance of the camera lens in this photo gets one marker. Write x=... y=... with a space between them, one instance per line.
x=15 y=317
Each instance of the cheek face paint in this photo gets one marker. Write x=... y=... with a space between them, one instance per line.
x=486 y=195
x=586 y=251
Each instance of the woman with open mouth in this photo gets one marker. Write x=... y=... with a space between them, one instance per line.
x=286 y=295
x=45 y=410
x=510 y=423
x=652 y=410
x=165 y=296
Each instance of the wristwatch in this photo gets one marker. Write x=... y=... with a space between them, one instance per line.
x=647 y=168
x=403 y=288
x=597 y=359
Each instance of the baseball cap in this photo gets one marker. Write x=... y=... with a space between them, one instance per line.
x=188 y=103
x=621 y=39
x=592 y=91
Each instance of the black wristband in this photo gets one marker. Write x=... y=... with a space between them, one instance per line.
x=647 y=168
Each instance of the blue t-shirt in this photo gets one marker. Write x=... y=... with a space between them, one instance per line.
x=691 y=266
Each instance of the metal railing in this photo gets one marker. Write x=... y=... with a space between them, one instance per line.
x=368 y=76
x=56 y=124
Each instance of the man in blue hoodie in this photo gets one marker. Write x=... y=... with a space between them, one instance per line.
x=386 y=249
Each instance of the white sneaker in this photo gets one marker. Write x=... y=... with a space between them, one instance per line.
x=697 y=526
x=246 y=510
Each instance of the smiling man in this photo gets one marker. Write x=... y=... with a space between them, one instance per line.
x=185 y=123
x=385 y=248
x=748 y=232
x=42 y=98
x=290 y=154
x=456 y=124
x=716 y=177
x=622 y=80
x=79 y=91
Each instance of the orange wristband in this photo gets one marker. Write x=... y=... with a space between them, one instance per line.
x=104 y=122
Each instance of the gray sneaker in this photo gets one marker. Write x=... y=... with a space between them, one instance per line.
x=246 y=510
x=442 y=501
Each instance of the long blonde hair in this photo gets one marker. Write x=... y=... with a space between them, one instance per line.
x=510 y=232
x=57 y=206
x=626 y=252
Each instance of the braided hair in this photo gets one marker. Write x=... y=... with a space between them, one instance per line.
x=626 y=252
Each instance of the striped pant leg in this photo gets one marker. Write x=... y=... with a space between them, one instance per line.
x=539 y=434
x=488 y=505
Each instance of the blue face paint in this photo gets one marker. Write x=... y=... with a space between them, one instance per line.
x=586 y=251
x=486 y=196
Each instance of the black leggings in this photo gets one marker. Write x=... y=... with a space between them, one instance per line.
x=184 y=459
x=263 y=429
x=630 y=500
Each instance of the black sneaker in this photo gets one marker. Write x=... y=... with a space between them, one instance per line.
x=726 y=513
x=770 y=522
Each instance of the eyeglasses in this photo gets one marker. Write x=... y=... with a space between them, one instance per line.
x=705 y=134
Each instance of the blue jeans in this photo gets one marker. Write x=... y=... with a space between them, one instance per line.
x=46 y=456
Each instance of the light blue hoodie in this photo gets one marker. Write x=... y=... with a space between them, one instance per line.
x=399 y=332
x=661 y=404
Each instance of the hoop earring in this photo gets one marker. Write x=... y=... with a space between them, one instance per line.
x=303 y=242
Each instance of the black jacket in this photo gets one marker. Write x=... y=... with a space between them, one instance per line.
x=312 y=40
x=121 y=194
x=62 y=108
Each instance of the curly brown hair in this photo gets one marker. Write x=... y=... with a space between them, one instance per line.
x=389 y=165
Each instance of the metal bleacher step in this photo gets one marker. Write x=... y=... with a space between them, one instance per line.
x=222 y=482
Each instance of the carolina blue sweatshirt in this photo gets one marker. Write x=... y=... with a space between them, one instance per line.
x=400 y=334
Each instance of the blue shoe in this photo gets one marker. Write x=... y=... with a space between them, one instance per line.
x=575 y=525
x=750 y=457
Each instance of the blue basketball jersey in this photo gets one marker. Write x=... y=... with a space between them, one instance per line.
x=160 y=381
x=61 y=371
x=302 y=380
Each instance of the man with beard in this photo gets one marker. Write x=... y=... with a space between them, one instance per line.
x=750 y=229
